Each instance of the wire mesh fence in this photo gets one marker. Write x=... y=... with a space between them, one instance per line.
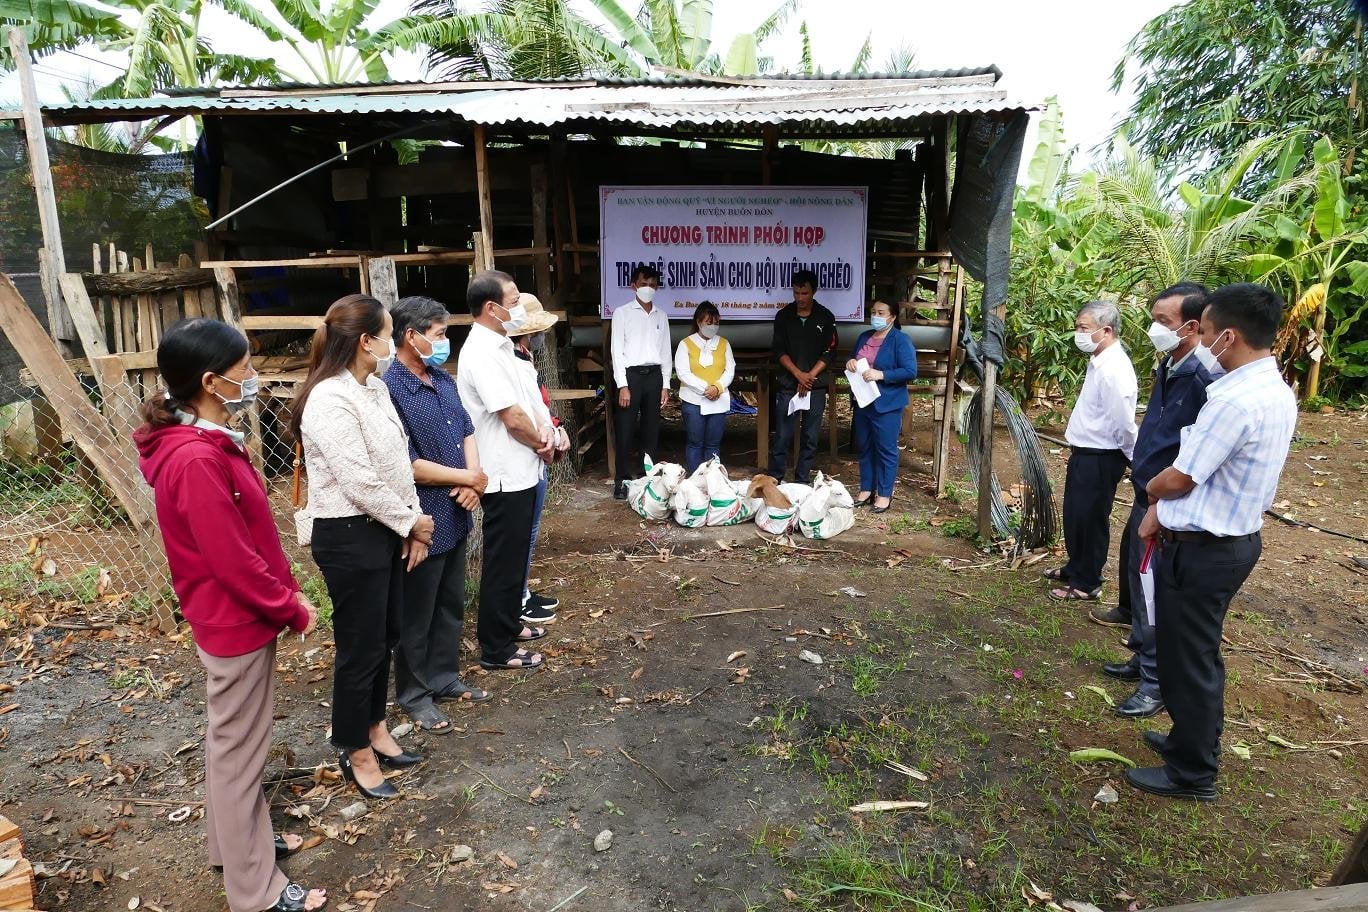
x=65 y=537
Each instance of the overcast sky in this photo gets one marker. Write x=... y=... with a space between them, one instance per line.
x=1049 y=47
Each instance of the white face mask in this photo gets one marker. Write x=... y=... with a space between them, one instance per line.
x=517 y=318
x=247 y=393
x=645 y=294
x=1162 y=338
x=1210 y=360
x=382 y=363
x=1085 y=342
x=709 y=330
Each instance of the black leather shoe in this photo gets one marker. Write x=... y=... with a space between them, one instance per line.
x=1110 y=617
x=1122 y=671
x=1156 y=741
x=383 y=790
x=401 y=760
x=1139 y=706
x=1155 y=780
x=620 y=491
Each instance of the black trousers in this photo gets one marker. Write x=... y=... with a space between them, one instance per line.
x=428 y=661
x=637 y=427
x=810 y=437
x=1141 y=639
x=1194 y=582
x=360 y=561
x=1089 y=491
x=507 y=530
x=1125 y=585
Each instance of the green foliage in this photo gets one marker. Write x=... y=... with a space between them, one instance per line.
x=316 y=591
x=1213 y=75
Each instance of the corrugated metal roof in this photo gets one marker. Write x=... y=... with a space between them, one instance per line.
x=664 y=103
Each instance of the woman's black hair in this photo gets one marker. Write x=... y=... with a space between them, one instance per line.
x=705 y=309
x=188 y=350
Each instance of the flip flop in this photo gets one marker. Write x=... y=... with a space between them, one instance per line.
x=1075 y=595
x=522 y=656
x=461 y=692
x=430 y=719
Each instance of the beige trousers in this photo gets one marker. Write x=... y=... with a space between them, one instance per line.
x=237 y=818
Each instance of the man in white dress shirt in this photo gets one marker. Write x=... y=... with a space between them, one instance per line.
x=1205 y=512
x=514 y=439
x=640 y=349
x=1101 y=436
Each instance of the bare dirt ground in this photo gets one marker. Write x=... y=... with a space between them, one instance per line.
x=723 y=764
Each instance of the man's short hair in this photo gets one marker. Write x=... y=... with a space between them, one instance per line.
x=486 y=286
x=805 y=277
x=1105 y=313
x=1255 y=311
x=644 y=273
x=1194 y=295
x=416 y=312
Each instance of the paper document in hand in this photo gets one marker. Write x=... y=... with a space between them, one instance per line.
x=800 y=402
x=1147 y=580
x=865 y=391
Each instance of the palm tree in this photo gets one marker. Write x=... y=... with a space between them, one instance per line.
x=1205 y=239
x=544 y=39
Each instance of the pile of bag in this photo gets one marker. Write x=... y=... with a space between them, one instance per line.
x=709 y=497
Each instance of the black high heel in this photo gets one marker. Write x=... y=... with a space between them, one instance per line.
x=383 y=790
x=401 y=760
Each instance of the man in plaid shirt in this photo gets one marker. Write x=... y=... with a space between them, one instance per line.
x=1206 y=512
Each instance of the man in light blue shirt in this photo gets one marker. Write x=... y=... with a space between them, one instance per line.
x=1205 y=515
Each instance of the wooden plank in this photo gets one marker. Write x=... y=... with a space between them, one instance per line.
x=16 y=887
x=1327 y=899
x=323 y=262
x=610 y=398
x=89 y=328
x=120 y=400
x=541 y=261
x=384 y=281
x=947 y=417
x=763 y=404
x=230 y=308
x=8 y=829
x=169 y=302
x=209 y=302
x=148 y=335
x=190 y=303
x=53 y=262
x=114 y=459
x=565 y=395
x=144 y=282
x=482 y=190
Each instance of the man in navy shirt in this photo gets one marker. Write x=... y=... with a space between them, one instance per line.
x=1180 y=382
x=804 y=346
x=446 y=468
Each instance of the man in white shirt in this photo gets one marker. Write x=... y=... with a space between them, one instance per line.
x=640 y=351
x=1101 y=437
x=513 y=441
x=1205 y=514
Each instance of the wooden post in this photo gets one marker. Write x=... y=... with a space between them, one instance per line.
x=88 y=325
x=541 y=260
x=610 y=394
x=384 y=281
x=229 y=305
x=942 y=456
x=937 y=193
x=762 y=416
x=482 y=189
x=53 y=262
x=113 y=458
x=120 y=402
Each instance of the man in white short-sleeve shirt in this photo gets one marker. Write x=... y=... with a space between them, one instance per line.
x=1205 y=514
x=514 y=440
x=640 y=349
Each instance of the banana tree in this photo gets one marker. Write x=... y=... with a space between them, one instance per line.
x=56 y=25
x=1318 y=252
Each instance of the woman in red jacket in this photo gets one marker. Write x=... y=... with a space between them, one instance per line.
x=234 y=585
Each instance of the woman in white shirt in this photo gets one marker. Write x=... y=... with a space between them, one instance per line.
x=363 y=524
x=705 y=366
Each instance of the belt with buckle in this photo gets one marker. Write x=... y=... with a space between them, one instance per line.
x=1168 y=536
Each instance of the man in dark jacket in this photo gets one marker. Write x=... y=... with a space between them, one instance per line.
x=804 y=345
x=1180 y=382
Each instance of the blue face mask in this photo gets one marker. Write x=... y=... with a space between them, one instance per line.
x=441 y=350
x=879 y=323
